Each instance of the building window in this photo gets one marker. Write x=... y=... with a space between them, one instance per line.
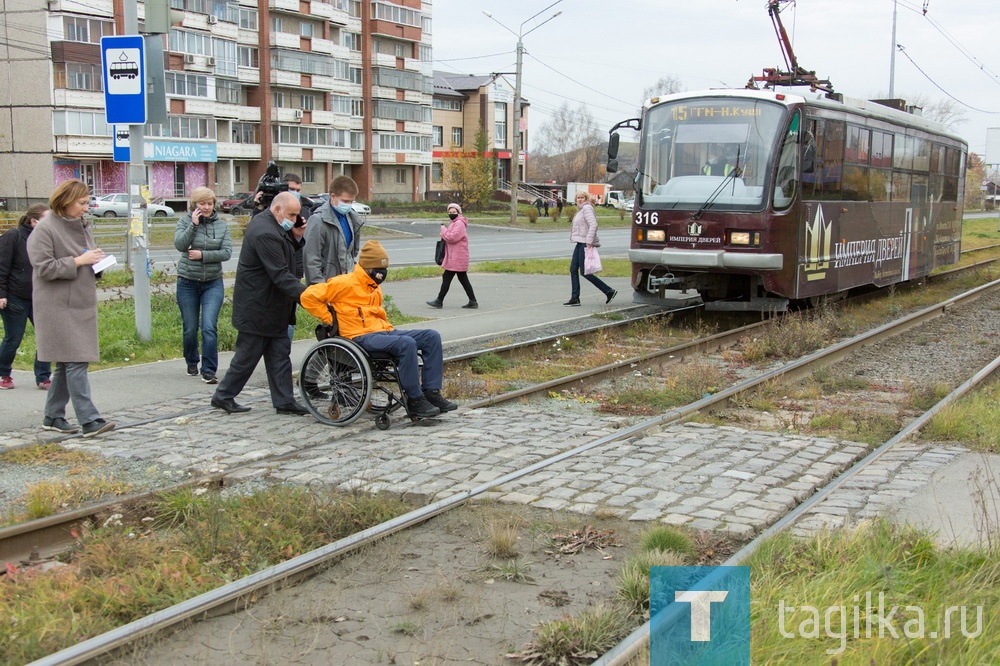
x=247 y=56
x=426 y=54
x=438 y=133
x=351 y=40
x=306 y=29
x=79 y=123
x=500 y=125
x=354 y=8
x=182 y=41
x=182 y=84
x=229 y=92
x=358 y=108
x=357 y=140
x=248 y=19
x=89 y=31
x=308 y=102
x=246 y=133
x=78 y=76
x=447 y=104
x=392 y=110
x=179 y=185
x=308 y=174
x=400 y=176
x=396 y=14
x=355 y=75
x=378 y=175
x=238 y=174
x=184 y=127
x=276 y=24
x=456 y=136
x=278 y=99
x=437 y=172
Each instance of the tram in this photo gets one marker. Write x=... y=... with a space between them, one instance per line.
x=757 y=200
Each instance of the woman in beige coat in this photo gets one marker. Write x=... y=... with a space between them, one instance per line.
x=64 y=290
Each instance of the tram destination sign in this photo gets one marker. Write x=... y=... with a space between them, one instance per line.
x=123 y=63
x=701 y=111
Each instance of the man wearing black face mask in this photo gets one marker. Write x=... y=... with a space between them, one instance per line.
x=264 y=300
x=356 y=299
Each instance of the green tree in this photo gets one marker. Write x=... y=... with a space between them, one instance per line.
x=975 y=175
x=472 y=174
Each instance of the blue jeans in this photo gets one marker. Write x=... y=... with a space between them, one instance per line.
x=576 y=270
x=15 y=318
x=195 y=297
x=402 y=345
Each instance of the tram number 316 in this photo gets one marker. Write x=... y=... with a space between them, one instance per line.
x=645 y=217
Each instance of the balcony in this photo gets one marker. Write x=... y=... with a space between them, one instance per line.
x=331 y=154
x=328 y=11
x=384 y=60
x=383 y=125
x=248 y=75
x=323 y=117
x=208 y=107
x=284 y=5
x=84 y=146
x=285 y=78
x=417 y=97
x=285 y=40
x=287 y=116
x=417 y=128
x=239 y=151
x=287 y=153
x=96 y=9
x=86 y=99
x=249 y=114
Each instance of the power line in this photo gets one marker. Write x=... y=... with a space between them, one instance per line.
x=492 y=55
x=579 y=83
x=935 y=84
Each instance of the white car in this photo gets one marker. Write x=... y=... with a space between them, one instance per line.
x=116 y=205
x=630 y=205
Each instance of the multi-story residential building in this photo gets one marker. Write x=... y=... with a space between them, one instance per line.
x=321 y=87
x=462 y=104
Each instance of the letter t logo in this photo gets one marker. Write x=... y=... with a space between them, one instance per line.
x=701 y=610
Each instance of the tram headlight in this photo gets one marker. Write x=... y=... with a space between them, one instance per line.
x=655 y=235
x=749 y=238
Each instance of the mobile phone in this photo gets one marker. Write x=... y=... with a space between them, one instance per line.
x=299 y=221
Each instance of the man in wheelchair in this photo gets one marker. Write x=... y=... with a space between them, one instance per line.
x=356 y=300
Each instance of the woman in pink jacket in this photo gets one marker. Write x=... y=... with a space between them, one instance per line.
x=456 y=257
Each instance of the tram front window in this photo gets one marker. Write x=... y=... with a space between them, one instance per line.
x=711 y=148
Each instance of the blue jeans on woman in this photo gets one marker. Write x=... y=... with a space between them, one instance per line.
x=206 y=298
x=15 y=318
x=576 y=270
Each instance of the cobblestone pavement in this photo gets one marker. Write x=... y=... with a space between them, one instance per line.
x=702 y=476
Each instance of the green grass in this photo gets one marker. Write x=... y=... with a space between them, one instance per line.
x=973 y=420
x=833 y=573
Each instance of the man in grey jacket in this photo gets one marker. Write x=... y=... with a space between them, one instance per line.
x=333 y=234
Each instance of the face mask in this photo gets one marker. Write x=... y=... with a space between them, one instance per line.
x=298 y=195
x=452 y=216
x=287 y=224
x=377 y=274
x=343 y=208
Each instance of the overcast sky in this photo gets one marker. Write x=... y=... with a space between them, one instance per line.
x=605 y=52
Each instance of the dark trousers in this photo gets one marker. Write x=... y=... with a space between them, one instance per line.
x=276 y=353
x=402 y=346
x=201 y=301
x=463 y=279
x=15 y=317
x=576 y=270
x=71 y=383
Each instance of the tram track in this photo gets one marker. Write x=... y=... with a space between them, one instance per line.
x=293 y=569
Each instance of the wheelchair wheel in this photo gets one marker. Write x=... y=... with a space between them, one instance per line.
x=382 y=421
x=336 y=381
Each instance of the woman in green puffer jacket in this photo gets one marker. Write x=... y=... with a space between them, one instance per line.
x=204 y=243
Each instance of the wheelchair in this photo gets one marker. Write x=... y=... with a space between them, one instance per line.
x=339 y=381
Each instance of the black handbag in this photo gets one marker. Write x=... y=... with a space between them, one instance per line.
x=439 y=252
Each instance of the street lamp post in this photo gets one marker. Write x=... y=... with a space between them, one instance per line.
x=516 y=161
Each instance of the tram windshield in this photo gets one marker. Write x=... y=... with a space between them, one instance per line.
x=712 y=150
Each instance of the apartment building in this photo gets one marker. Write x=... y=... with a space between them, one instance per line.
x=321 y=87
x=462 y=104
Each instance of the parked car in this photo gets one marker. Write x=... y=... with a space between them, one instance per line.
x=226 y=205
x=359 y=208
x=116 y=205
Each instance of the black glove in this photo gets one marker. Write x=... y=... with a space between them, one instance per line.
x=325 y=331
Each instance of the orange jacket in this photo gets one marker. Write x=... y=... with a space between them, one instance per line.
x=356 y=299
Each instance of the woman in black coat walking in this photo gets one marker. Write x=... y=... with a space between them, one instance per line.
x=15 y=297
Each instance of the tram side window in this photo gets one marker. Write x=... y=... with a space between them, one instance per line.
x=900 y=186
x=813 y=178
x=857 y=145
x=881 y=149
x=788 y=174
x=919 y=191
x=902 y=156
x=855 y=183
x=879 y=184
x=937 y=158
x=921 y=154
x=829 y=185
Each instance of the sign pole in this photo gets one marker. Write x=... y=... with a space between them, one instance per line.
x=138 y=212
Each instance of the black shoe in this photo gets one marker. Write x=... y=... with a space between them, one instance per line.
x=471 y=305
x=611 y=296
x=435 y=398
x=292 y=409
x=229 y=405
x=209 y=378
x=193 y=369
x=437 y=303
x=421 y=408
x=572 y=301
x=59 y=425
x=96 y=427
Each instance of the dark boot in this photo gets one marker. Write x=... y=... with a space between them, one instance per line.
x=421 y=408
x=471 y=305
x=437 y=303
x=435 y=398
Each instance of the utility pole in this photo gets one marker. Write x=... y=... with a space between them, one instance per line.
x=892 y=55
x=516 y=159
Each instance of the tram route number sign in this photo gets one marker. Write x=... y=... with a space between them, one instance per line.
x=123 y=63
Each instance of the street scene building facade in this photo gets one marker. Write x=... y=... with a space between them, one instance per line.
x=322 y=88
x=463 y=103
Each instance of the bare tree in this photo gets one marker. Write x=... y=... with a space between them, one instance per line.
x=570 y=146
x=948 y=112
x=665 y=85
